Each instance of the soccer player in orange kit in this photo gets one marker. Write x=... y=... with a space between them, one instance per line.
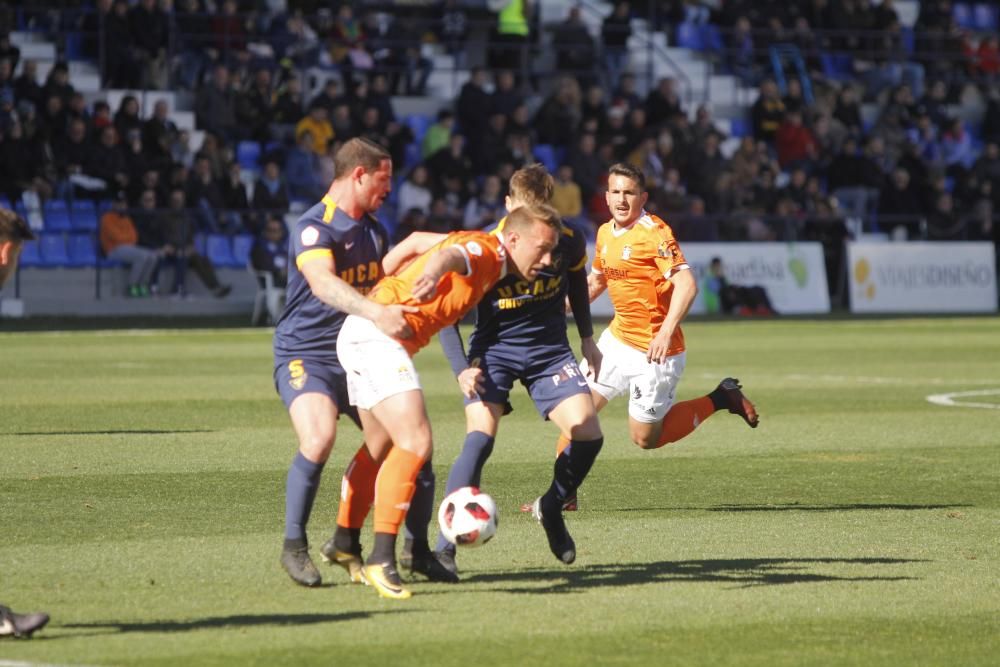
x=443 y=283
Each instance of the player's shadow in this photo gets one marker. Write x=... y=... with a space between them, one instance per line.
x=124 y=431
x=742 y=573
x=794 y=507
x=216 y=622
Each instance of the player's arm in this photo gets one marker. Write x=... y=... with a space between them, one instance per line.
x=685 y=289
x=336 y=293
x=596 y=284
x=415 y=244
x=469 y=375
x=578 y=294
x=445 y=260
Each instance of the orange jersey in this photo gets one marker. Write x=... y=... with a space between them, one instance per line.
x=455 y=295
x=636 y=262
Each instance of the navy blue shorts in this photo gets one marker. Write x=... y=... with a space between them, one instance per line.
x=300 y=376
x=550 y=374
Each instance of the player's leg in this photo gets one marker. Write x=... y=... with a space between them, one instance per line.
x=655 y=420
x=357 y=494
x=314 y=418
x=404 y=417
x=562 y=394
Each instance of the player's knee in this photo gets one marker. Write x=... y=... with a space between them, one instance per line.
x=644 y=442
x=316 y=446
x=589 y=429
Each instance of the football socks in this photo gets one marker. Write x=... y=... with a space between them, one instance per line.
x=570 y=470
x=394 y=489
x=467 y=470
x=421 y=509
x=357 y=491
x=685 y=417
x=300 y=492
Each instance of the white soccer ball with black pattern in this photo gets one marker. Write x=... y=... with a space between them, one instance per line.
x=468 y=517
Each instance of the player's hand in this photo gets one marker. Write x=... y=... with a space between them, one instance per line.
x=567 y=307
x=657 y=352
x=593 y=356
x=392 y=323
x=425 y=286
x=470 y=381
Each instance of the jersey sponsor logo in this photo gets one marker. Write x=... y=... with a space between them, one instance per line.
x=522 y=292
x=309 y=236
x=626 y=252
x=474 y=248
x=612 y=273
x=298 y=375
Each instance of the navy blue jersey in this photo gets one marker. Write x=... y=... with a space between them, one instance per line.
x=531 y=312
x=308 y=327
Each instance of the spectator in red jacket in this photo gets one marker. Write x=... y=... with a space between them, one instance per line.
x=794 y=142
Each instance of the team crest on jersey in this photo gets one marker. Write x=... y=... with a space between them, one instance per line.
x=309 y=236
x=636 y=393
x=474 y=248
x=626 y=252
x=404 y=373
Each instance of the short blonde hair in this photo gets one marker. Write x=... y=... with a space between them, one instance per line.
x=532 y=185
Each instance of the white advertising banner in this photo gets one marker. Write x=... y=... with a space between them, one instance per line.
x=938 y=277
x=793 y=274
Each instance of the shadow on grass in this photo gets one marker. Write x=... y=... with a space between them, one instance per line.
x=238 y=621
x=118 y=432
x=790 y=507
x=744 y=573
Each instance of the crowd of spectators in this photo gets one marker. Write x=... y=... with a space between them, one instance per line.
x=917 y=167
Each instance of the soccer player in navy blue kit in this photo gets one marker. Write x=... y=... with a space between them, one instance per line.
x=335 y=254
x=520 y=334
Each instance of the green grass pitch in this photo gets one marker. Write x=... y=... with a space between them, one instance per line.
x=141 y=504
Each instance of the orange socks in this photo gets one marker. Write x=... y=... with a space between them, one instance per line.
x=357 y=490
x=394 y=489
x=685 y=417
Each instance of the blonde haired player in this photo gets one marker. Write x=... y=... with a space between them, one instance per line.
x=651 y=287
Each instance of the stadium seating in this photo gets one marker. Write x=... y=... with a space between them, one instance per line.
x=83 y=215
x=31 y=255
x=549 y=155
x=689 y=36
x=711 y=39
x=984 y=17
x=82 y=250
x=220 y=251
x=248 y=155
x=418 y=124
x=56 y=215
x=53 y=249
x=242 y=243
x=740 y=127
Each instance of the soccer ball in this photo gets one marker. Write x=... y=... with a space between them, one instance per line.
x=468 y=517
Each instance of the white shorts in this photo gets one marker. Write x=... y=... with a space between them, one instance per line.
x=377 y=366
x=651 y=387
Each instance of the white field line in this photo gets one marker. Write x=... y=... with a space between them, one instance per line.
x=18 y=663
x=949 y=399
x=137 y=333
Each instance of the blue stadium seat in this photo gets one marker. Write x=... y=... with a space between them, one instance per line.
x=418 y=124
x=984 y=17
x=962 y=13
x=412 y=156
x=56 y=215
x=53 y=249
x=548 y=155
x=837 y=66
x=220 y=251
x=711 y=39
x=248 y=155
x=740 y=127
x=30 y=254
x=5 y=203
x=909 y=40
x=82 y=250
x=242 y=243
x=689 y=36
x=83 y=215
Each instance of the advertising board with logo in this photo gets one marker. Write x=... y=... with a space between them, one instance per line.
x=939 y=277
